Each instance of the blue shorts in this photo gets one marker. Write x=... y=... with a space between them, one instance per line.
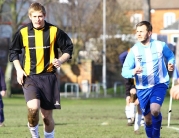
x=154 y=94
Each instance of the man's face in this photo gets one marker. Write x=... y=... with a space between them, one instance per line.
x=37 y=19
x=142 y=34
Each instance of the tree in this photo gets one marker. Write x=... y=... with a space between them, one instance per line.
x=146 y=9
x=84 y=21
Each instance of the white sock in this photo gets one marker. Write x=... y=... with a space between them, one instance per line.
x=49 y=135
x=142 y=121
x=127 y=111
x=138 y=118
x=34 y=131
x=132 y=110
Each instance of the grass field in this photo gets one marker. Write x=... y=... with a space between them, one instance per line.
x=84 y=118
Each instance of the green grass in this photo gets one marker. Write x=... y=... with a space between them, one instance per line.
x=83 y=118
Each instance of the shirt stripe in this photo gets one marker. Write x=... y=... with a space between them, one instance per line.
x=149 y=65
x=25 y=40
x=39 y=46
x=151 y=58
x=46 y=40
x=31 y=47
x=53 y=32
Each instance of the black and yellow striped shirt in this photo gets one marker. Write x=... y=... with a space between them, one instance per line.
x=40 y=47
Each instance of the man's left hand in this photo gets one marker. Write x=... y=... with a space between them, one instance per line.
x=56 y=62
x=170 y=67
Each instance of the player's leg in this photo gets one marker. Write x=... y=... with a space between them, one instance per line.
x=33 y=105
x=48 y=123
x=138 y=118
x=33 y=117
x=1 y=112
x=127 y=111
x=50 y=99
x=128 y=84
x=148 y=125
x=144 y=100
x=133 y=98
x=142 y=122
x=157 y=99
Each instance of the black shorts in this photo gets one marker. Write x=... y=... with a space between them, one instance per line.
x=44 y=87
x=129 y=84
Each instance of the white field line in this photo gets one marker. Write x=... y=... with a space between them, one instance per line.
x=175 y=128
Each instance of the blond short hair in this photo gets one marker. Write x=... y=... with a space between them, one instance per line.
x=36 y=7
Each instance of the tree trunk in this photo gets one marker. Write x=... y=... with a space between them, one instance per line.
x=146 y=10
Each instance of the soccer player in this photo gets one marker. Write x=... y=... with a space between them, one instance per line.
x=145 y=61
x=130 y=97
x=2 y=93
x=133 y=117
x=36 y=68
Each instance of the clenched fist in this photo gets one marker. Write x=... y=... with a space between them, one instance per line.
x=138 y=70
x=174 y=92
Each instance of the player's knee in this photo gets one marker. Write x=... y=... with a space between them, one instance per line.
x=33 y=117
x=155 y=109
x=133 y=91
x=148 y=120
x=155 y=112
x=127 y=99
x=133 y=98
x=46 y=121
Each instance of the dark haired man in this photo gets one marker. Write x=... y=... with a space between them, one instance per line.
x=146 y=62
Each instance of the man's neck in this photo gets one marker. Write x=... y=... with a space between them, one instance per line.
x=146 y=43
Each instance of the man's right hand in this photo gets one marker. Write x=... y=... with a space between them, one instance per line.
x=19 y=71
x=138 y=70
x=20 y=76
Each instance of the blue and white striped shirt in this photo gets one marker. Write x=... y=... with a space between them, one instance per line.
x=152 y=59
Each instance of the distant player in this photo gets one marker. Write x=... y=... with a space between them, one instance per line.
x=2 y=93
x=131 y=100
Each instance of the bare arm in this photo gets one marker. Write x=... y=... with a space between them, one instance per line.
x=19 y=71
x=57 y=62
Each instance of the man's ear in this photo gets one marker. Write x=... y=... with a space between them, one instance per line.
x=149 y=33
x=30 y=17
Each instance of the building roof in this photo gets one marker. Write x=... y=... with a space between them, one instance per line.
x=155 y=4
x=164 y=4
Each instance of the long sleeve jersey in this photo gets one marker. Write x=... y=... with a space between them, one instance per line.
x=122 y=56
x=2 y=81
x=39 y=47
x=152 y=60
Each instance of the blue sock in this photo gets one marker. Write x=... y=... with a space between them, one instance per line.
x=148 y=130
x=156 y=121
